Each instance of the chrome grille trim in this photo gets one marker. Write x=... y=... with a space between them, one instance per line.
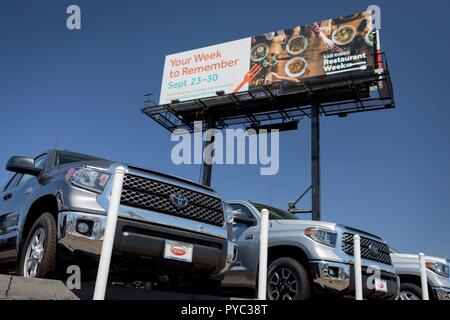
x=382 y=256
x=154 y=195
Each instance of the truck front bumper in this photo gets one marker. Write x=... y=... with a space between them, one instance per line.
x=441 y=293
x=212 y=254
x=338 y=278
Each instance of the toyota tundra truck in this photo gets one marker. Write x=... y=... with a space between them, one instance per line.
x=53 y=211
x=307 y=258
x=408 y=269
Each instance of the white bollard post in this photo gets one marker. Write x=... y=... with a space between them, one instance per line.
x=110 y=231
x=263 y=248
x=423 y=277
x=357 y=266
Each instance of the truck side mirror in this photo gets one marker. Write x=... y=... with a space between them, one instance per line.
x=240 y=217
x=293 y=208
x=23 y=165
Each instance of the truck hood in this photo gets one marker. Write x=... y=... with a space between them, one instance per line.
x=306 y=223
x=105 y=164
x=302 y=224
x=403 y=257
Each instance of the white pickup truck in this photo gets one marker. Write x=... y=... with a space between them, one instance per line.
x=407 y=267
x=307 y=258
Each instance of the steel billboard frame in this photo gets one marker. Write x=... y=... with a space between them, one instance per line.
x=337 y=95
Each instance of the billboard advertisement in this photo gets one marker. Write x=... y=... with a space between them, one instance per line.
x=283 y=57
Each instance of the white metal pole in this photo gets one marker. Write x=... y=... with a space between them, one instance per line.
x=423 y=277
x=263 y=248
x=110 y=231
x=357 y=267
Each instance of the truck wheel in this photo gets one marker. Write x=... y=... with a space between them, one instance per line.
x=38 y=258
x=409 y=291
x=287 y=280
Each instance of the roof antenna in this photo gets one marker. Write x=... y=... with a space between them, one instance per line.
x=58 y=133
x=270 y=194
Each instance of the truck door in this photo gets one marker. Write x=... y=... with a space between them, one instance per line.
x=244 y=271
x=9 y=214
x=11 y=199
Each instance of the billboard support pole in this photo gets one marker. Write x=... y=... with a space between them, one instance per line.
x=206 y=169
x=315 y=159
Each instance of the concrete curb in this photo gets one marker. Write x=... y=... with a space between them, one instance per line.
x=19 y=288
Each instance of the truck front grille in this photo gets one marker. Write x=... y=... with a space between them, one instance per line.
x=155 y=195
x=370 y=249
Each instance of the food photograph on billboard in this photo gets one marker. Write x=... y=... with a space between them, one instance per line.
x=283 y=57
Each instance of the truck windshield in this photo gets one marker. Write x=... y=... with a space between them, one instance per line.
x=275 y=213
x=63 y=157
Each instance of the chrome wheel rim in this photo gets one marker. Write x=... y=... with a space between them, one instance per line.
x=283 y=285
x=407 y=295
x=34 y=254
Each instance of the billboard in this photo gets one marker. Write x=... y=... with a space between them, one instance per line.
x=285 y=57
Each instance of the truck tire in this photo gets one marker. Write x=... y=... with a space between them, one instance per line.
x=287 y=279
x=38 y=254
x=409 y=291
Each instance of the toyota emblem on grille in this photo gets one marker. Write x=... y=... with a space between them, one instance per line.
x=179 y=200
x=373 y=248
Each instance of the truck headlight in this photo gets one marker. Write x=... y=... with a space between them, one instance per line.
x=438 y=268
x=87 y=178
x=322 y=236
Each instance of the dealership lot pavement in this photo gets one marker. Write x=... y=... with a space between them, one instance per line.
x=19 y=288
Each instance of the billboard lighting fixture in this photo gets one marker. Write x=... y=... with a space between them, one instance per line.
x=282 y=126
x=343 y=115
x=220 y=93
x=175 y=101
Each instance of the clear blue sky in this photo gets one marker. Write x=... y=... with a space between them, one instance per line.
x=386 y=172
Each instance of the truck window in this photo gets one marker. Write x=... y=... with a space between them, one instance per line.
x=275 y=213
x=64 y=157
x=12 y=182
